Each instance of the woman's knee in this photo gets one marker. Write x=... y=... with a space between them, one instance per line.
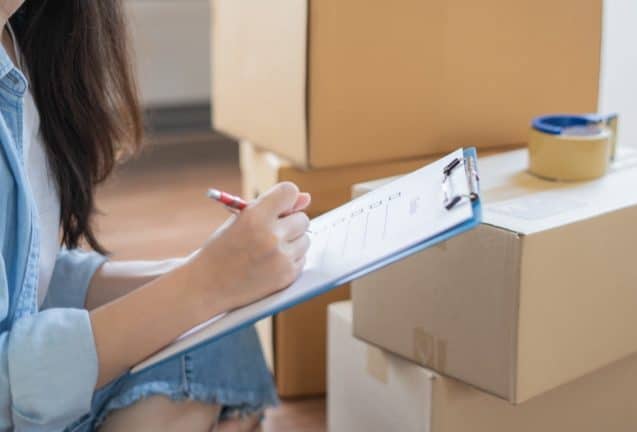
x=161 y=413
x=251 y=423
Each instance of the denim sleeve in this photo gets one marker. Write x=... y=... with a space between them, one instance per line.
x=48 y=368
x=71 y=278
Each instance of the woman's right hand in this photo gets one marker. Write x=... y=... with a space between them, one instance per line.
x=257 y=252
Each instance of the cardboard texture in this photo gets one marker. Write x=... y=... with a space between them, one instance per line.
x=541 y=293
x=294 y=343
x=340 y=82
x=409 y=398
x=330 y=187
x=300 y=338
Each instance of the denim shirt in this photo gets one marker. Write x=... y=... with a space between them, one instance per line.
x=48 y=359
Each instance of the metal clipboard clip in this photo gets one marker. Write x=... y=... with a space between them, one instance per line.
x=451 y=199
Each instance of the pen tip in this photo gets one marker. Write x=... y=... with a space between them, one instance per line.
x=214 y=194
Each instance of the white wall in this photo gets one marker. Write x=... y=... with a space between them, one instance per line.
x=618 y=87
x=171 y=41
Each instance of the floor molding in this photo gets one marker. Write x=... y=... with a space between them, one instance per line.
x=174 y=120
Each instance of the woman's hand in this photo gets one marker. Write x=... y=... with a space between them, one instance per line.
x=258 y=252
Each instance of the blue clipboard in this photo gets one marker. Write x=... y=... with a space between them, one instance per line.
x=470 y=167
x=470 y=154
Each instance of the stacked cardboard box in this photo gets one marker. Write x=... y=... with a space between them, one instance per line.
x=534 y=307
x=342 y=91
x=541 y=293
x=374 y=390
x=341 y=82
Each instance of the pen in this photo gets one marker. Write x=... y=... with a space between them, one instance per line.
x=231 y=201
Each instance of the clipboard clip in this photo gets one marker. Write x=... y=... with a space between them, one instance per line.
x=452 y=199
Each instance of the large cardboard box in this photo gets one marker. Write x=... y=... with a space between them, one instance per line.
x=541 y=293
x=375 y=391
x=340 y=82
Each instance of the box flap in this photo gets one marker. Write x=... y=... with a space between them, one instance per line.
x=519 y=201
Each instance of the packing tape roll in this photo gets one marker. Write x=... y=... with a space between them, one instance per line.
x=572 y=147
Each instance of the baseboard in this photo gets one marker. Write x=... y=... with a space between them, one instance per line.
x=178 y=120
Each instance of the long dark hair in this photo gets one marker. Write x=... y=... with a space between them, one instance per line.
x=79 y=66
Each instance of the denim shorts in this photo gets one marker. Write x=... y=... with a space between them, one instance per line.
x=230 y=372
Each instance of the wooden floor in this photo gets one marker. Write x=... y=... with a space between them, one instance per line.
x=155 y=207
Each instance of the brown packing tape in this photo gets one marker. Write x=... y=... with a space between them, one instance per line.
x=377 y=365
x=574 y=157
x=429 y=350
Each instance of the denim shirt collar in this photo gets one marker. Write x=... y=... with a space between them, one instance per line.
x=10 y=77
x=5 y=62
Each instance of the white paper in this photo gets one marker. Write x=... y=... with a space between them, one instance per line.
x=350 y=238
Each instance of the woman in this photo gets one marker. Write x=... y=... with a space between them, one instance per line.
x=72 y=323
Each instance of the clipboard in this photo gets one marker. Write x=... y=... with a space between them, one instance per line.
x=399 y=219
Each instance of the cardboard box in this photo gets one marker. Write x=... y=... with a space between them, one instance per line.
x=294 y=341
x=375 y=391
x=300 y=339
x=541 y=293
x=330 y=187
x=340 y=82
x=294 y=345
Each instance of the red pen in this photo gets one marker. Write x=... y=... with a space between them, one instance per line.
x=232 y=202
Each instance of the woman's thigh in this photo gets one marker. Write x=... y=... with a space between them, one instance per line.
x=230 y=373
x=158 y=413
